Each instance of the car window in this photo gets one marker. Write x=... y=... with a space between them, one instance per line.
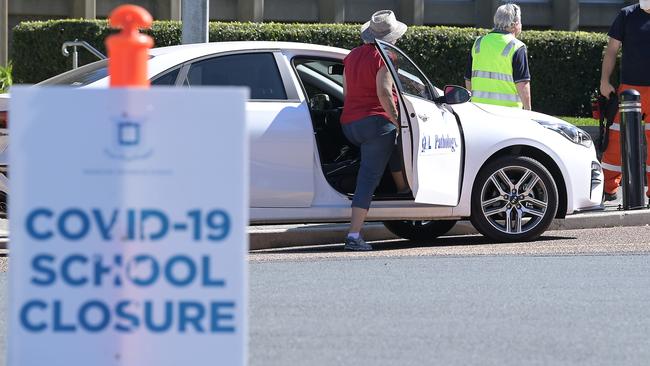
x=410 y=78
x=81 y=76
x=317 y=77
x=258 y=71
x=167 y=79
x=323 y=68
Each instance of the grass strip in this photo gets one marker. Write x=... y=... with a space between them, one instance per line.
x=580 y=121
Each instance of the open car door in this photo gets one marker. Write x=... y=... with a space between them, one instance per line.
x=432 y=143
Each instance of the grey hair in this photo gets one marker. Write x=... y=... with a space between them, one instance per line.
x=506 y=17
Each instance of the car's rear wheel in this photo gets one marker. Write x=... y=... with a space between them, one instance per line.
x=419 y=230
x=513 y=199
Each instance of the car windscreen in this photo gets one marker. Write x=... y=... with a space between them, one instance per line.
x=81 y=76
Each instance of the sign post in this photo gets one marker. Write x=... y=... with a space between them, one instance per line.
x=128 y=218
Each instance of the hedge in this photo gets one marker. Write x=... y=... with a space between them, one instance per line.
x=565 y=66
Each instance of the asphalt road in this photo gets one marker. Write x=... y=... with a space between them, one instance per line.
x=572 y=298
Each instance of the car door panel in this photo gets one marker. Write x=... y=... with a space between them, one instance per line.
x=432 y=143
x=436 y=153
x=281 y=154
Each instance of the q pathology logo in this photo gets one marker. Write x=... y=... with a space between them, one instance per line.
x=128 y=139
x=439 y=144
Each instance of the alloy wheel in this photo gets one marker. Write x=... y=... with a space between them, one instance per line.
x=514 y=200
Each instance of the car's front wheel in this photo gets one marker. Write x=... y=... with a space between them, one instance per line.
x=419 y=230
x=514 y=199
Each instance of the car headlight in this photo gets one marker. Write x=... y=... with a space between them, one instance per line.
x=571 y=132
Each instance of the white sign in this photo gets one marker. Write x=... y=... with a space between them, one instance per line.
x=128 y=215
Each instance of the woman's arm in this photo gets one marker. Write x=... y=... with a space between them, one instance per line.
x=385 y=93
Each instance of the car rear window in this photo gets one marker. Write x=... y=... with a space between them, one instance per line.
x=81 y=76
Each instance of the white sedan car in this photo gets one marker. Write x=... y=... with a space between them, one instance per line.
x=508 y=170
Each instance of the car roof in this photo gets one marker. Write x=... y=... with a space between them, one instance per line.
x=171 y=56
x=165 y=58
x=201 y=49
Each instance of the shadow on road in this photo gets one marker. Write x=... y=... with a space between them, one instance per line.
x=401 y=244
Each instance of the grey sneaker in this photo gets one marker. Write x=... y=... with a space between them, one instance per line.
x=358 y=245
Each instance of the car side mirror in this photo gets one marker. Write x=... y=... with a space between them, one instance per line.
x=455 y=94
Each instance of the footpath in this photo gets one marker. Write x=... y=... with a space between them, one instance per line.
x=278 y=236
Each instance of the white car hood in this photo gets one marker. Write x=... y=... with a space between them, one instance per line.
x=518 y=113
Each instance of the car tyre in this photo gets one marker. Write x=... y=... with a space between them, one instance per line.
x=514 y=198
x=419 y=230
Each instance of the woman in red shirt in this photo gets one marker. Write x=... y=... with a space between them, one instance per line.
x=370 y=118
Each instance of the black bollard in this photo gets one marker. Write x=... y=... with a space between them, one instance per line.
x=632 y=151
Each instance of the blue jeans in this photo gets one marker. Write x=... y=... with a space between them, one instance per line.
x=375 y=136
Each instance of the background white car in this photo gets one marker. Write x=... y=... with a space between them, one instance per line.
x=510 y=171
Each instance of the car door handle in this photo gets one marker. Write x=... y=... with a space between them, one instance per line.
x=423 y=117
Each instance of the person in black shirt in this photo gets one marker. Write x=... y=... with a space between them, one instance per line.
x=631 y=31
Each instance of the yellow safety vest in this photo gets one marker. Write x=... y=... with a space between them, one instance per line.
x=492 y=81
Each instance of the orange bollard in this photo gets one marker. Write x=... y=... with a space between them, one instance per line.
x=128 y=50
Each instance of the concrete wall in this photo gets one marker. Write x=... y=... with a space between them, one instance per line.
x=598 y=15
x=540 y=14
x=536 y=13
x=359 y=11
x=223 y=9
x=291 y=10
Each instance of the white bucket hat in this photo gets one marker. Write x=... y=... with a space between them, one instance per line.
x=383 y=26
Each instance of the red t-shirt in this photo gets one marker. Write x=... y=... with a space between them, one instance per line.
x=361 y=100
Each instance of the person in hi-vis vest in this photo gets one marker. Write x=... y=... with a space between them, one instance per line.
x=631 y=31
x=497 y=72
